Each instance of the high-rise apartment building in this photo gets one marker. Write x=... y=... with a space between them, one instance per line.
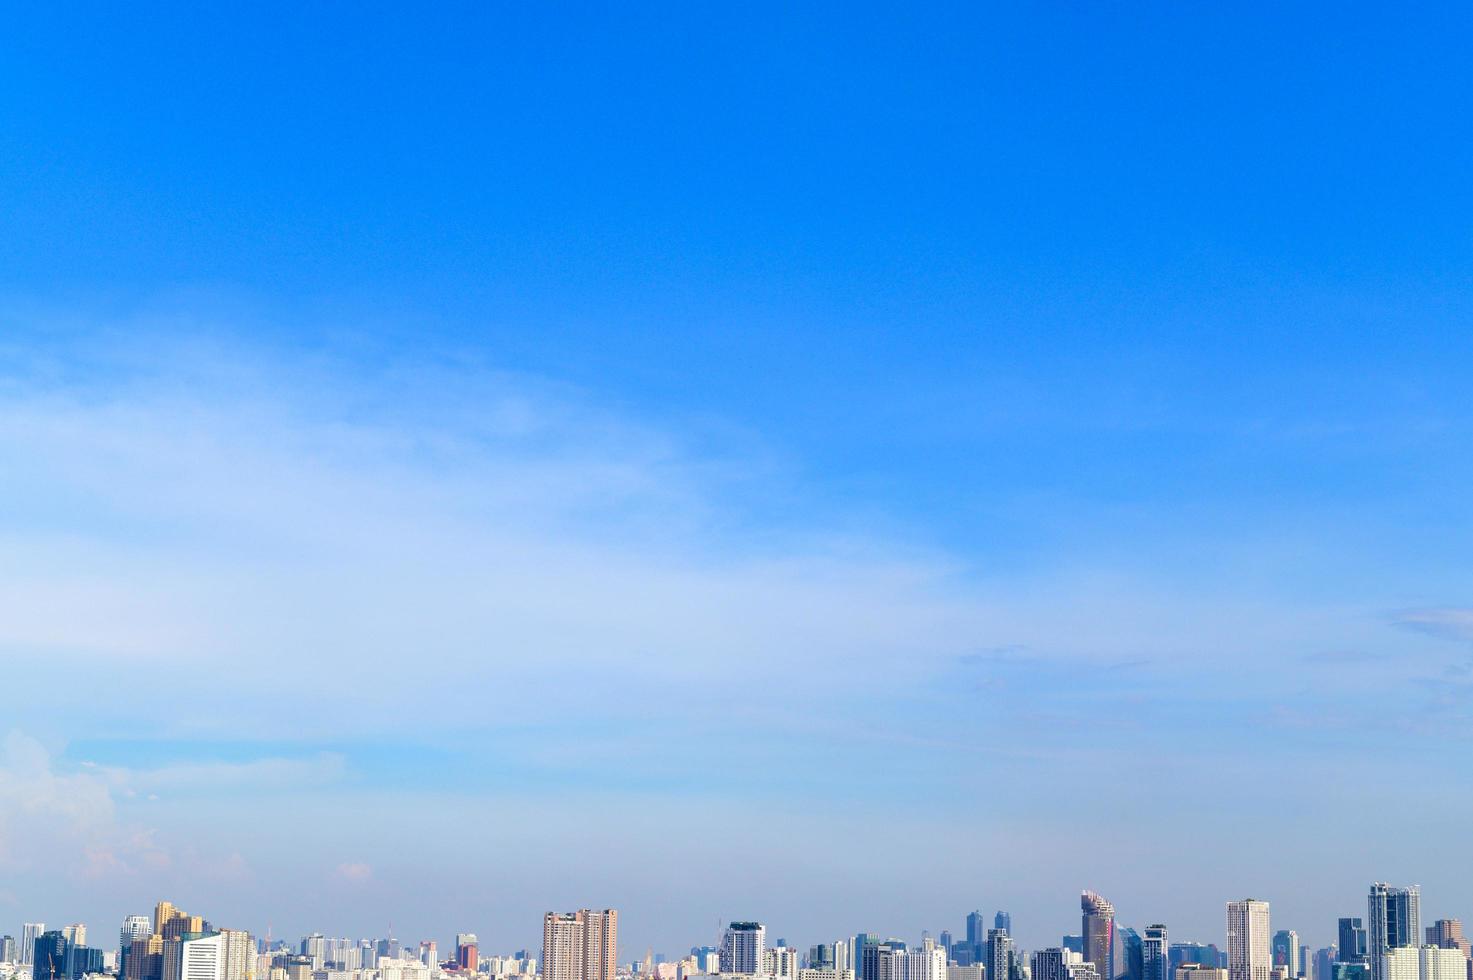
x=29 y=933
x=1448 y=934
x=1393 y=921
x=9 y=951
x=1098 y=922
x=238 y=955
x=1425 y=963
x=1155 y=954
x=581 y=945
x=999 y=959
x=1249 y=954
x=742 y=947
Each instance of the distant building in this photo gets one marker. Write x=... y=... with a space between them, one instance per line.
x=999 y=962
x=1393 y=921
x=9 y=950
x=742 y=948
x=580 y=945
x=1249 y=955
x=1003 y=921
x=1098 y=930
x=1425 y=963
x=1286 y=950
x=1448 y=934
x=1196 y=971
x=1155 y=954
x=50 y=957
x=29 y=934
x=1050 y=964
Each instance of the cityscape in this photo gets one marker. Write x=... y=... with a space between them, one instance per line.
x=1387 y=942
x=691 y=490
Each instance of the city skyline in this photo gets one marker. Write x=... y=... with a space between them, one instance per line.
x=586 y=945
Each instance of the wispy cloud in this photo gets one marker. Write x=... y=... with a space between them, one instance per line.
x=1444 y=622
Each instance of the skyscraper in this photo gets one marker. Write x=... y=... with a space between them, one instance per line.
x=999 y=960
x=1286 y=950
x=582 y=945
x=1004 y=921
x=1393 y=921
x=976 y=934
x=51 y=956
x=29 y=933
x=134 y=927
x=9 y=951
x=1351 y=947
x=1249 y=956
x=1099 y=934
x=1155 y=954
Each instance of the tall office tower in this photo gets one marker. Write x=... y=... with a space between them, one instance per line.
x=162 y=913
x=1099 y=934
x=1049 y=964
x=1003 y=921
x=999 y=959
x=29 y=933
x=1155 y=954
x=134 y=927
x=821 y=957
x=51 y=956
x=9 y=951
x=945 y=941
x=1127 y=962
x=76 y=934
x=1393 y=921
x=467 y=951
x=1306 y=962
x=976 y=934
x=581 y=945
x=1286 y=950
x=1351 y=947
x=1249 y=956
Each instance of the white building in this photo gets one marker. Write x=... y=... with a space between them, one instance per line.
x=1425 y=963
x=1250 y=956
x=202 y=959
x=29 y=933
x=742 y=948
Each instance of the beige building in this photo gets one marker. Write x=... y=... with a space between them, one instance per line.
x=1250 y=957
x=582 y=945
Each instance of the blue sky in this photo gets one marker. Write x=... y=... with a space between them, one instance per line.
x=833 y=465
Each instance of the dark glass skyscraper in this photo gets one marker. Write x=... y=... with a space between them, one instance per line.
x=1155 y=956
x=1393 y=921
x=976 y=934
x=1003 y=921
x=1351 y=947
